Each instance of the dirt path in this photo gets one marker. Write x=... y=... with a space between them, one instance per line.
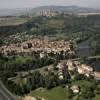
x=28 y=98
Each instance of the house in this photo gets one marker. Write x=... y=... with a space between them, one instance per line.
x=85 y=70
x=96 y=75
x=71 y=66
x=80 y=70
x=60 y=67
x=42 y=54
x=75 y=89
x=86 y=67
x=69 y=63
x=61 y=77
x=77 y=63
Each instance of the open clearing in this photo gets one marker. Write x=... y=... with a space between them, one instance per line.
x=28 y=98
x=97 y=97
x=57 y=93
x=12 y=21
x=88 y=14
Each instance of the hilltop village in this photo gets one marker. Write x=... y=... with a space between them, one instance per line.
x=53 y=13
x=66 y=69
x=38 y=45
x=50 y=53
x=45 y=47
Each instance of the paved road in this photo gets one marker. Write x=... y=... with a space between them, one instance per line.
x=26 y=72
x=89 y=58
x=5 y=94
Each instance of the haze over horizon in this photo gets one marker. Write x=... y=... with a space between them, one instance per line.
x=37 y=3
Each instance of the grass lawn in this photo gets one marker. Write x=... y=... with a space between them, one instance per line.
x=56 y=23
x=57 y=93
x=97 y=97
x=82 y=83
x=22 y=59
x=12 y=21
x=60 y=36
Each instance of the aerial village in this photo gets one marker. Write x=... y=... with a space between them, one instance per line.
x=37 y=45
x=41 y=61
x=70 y=67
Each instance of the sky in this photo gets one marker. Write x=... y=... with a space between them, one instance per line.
x=36 y=3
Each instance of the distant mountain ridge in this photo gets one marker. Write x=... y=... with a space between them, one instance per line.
x=31 y=11
x=76 y=9
x=14 y=12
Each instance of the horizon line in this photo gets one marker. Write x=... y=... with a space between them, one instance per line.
x=50 y=5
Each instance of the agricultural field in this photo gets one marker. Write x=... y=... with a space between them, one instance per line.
x=10 y=21
x=88 y=14
x=54 y=23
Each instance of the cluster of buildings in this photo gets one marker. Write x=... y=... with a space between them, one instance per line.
x=73 y=67
x=48 y=13
x=75 y=89
x=61 y=68
x=37 y=45
x=53 y=13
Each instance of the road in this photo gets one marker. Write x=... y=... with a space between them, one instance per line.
x=38 y=69
x=89 y=58
x=5 y=94
x=25 y=73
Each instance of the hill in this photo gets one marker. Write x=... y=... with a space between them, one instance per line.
x=33 y=11
x=72 y=9
x=14 y=12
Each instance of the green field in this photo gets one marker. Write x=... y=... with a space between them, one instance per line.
x=88 y=14
x=12 y=21
x=82 y=83
x=54 y=23
x=22 y=59
x=97 y=97
x=57 y=93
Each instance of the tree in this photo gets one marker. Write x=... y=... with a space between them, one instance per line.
x=1 y=43
x=51 y=81
x=37 y=80
x=87 y=92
